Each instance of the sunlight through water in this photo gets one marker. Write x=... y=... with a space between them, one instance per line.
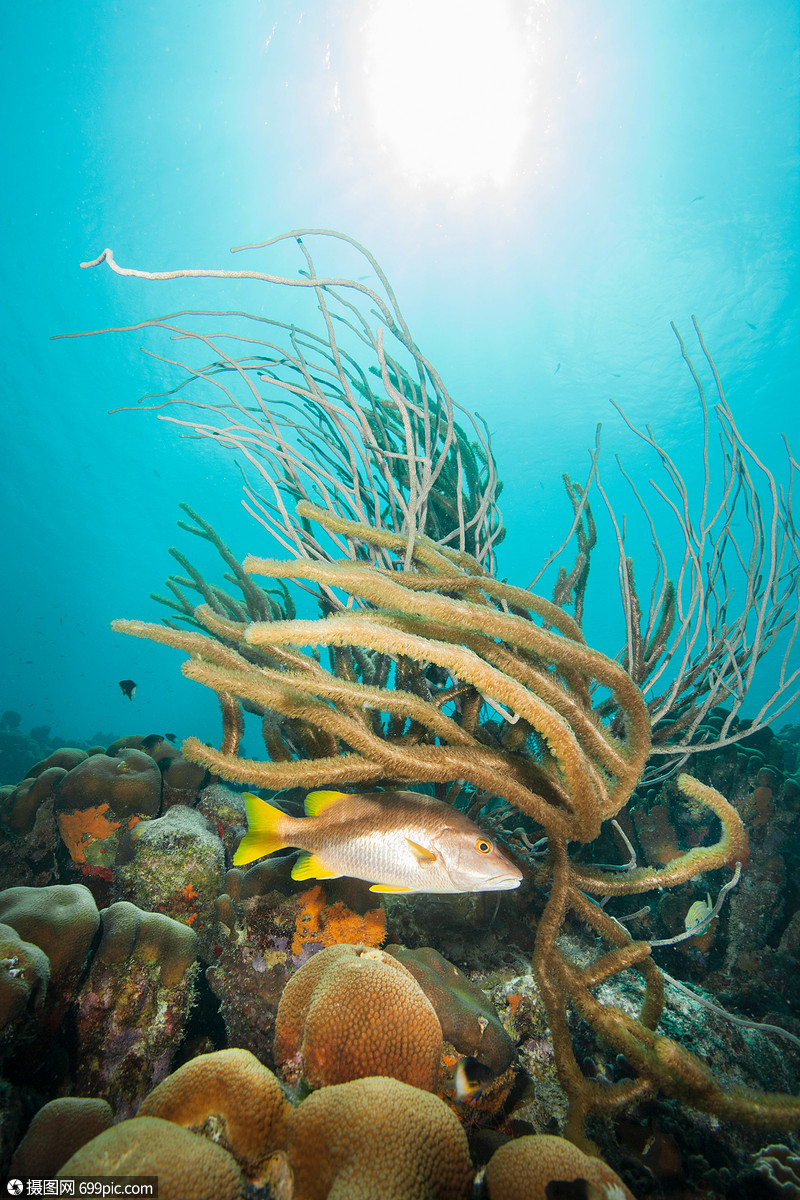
x=449 y=90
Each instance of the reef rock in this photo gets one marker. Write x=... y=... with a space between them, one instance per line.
x=133 y=1006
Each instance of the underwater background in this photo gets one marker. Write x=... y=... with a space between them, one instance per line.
x=592 y=943
x=545 y=185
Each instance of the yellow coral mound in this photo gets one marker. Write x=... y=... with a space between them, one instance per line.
x=353 y=1011
x=522 y=1169
x=57 y=1131
x=188 y=1167
x=229 y=1097
x=375 y=1138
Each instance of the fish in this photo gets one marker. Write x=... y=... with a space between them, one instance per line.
x=470 y=1078
x=698 y=913
x=397 y=841
x=128 y=687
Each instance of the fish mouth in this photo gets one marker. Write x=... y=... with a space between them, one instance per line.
x=502 y=883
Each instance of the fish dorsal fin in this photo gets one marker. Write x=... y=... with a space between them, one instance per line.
x=318 y=802
x=387 y=887
x=424 y=856
x=308 y=866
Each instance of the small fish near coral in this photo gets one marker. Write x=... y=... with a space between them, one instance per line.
x=399 y=841
x=127 y=687
x=470 y=1078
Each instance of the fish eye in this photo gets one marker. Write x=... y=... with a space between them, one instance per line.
x=484 y=845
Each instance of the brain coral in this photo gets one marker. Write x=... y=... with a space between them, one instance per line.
x=522 y=1169
x=57 y=1131
x=375 y=1138
x=229 y=1097
x=353 y=1011
x=188 y=1167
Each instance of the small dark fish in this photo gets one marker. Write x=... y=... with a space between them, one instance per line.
x=151 y=741
x=128 y=687
x=750 y=325
x=471 y=1077
x=697 y=198
x=171 y=737
x=558 y=368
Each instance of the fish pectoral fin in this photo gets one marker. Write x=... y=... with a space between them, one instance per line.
x=317 y=802
x=308 y=866
x=424 y=857
x=388 y=887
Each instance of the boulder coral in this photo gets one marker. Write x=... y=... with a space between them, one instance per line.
x=353 y=1011
x=27 y=819
x=58 y=1130
x=230 y=1098
x=188 y=1167
x=102 y=796
x=133 y=1005
x=180 y=782
x=24 y=975
x=378 y=1137
x=523 y=1168
x=62 y=921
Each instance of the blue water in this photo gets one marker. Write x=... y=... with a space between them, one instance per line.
x=656 y=177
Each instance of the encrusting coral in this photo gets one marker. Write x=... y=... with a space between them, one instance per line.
x=133 y=1006
x=173 y=864
x=353 y=1011
x=378 y=1137
x=229 y=1097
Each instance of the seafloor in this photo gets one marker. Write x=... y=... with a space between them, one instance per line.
x=131 y=948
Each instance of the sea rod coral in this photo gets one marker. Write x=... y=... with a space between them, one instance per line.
x=426 y=651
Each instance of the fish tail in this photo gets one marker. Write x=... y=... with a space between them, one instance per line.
x=264 y=830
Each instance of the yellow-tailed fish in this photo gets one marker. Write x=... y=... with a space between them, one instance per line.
x=399 y=841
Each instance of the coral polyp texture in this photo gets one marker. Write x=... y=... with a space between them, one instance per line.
x=354 y=1011
x=188 y=1167
x=231 y=1098
x=378 y=1137
x=59 y=1129
x=525 y=1168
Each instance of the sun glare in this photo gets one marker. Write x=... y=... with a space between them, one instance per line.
x=449 y=89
